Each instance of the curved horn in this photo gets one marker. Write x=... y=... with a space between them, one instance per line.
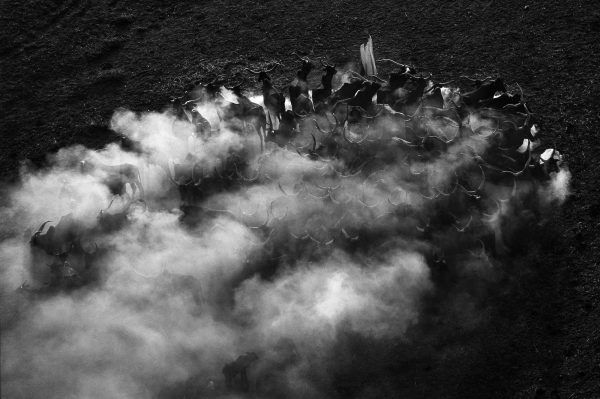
x=493 y=215
x=183 y=184
x=321 y=130
x=356 y=172
x=143 y=202
x=438 y=84
x=145 y=275
x=393 y=62
x=474 y=79
x=521 y=90
x=42 y=226
x=275 y=65
x=305 y=58
x=378 y=78
x=249 y=179
x=353 y=142
x=252 y=70
x=294 y=194
x=265 y=224
x=358 y=75
x=265 y=241
x=348 y=236
x=328 y=188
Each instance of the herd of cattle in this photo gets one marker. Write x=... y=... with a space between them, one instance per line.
x=406 y=122
x=365 y=124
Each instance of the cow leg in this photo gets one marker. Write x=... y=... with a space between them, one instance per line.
x=244 y=377
x=228 y=376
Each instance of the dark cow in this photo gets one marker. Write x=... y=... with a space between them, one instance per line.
x=433 y=98
x=415 y=86
x=273 y=99
x=387 y=93
x=363 y=97
x=353 y=109
x=484 y=92
x=346 y=92
x=64 y=242
x=178 y=107
x=183 y=177
x=320 y=96
x=60 y=238
x=109 y=222
x=299 y=96
x=247 y=112
x=499 y=102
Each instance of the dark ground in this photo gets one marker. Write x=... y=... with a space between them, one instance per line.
x=66 y=65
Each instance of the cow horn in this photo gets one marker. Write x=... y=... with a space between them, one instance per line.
x=111 y=201
x=42 y=226
x=252 y=70
x=275 y=65
x=305 y=59
x=326 y=64
x=392 y=61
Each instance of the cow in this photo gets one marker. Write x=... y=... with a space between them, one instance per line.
x=273 y=99
x=246 y=111
x=433 y=98
x=109 y=222
x=416 y=87
x=299 y=96
x=484 y=92
x=63 y=243
x=116 y=177
x=387 y=93
x=320 y=96
x=60 y=238
x=363 y=97
x=346 y=91
x=502 y=100
x=182 y=175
